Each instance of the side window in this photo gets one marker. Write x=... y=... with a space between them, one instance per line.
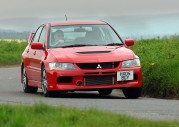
x=43 y=36
x=37 y=34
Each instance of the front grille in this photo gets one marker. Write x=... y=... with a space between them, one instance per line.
x=98 y=80
x=105 y=65
x=91 y=73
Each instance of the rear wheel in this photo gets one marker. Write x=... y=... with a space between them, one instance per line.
x=132 y=93
x=105 y=91
x=26 y=87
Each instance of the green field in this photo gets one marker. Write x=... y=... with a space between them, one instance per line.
x=41 y=115
x=159 y=60
x=11 y=51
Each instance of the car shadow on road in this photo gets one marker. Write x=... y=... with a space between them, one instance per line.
x=85 y=95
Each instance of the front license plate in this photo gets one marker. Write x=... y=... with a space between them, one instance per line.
x=125 y=75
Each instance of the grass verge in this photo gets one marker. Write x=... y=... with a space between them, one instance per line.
x=41 y=115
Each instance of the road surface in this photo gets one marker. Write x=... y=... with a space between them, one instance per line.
x=150 y=108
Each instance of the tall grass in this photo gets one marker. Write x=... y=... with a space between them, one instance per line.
x=160 y=62
x=11 y=51
x=42 y=115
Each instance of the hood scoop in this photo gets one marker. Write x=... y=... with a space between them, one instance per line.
x=93 y=52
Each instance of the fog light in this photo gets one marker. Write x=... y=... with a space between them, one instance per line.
x=79 y=83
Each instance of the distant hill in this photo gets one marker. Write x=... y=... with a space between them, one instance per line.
x=14 y=35
x=24 y=24
x=139 y=26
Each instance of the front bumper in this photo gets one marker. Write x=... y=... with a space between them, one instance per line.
x=74 y=80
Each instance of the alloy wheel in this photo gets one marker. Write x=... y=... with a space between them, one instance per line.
x=44 y=82
x=24 y=78
x=25 y=85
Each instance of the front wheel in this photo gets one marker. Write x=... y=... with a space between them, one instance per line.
x=132 y=93
x=44 y=82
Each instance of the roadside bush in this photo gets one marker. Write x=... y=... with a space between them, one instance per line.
x=160 y=64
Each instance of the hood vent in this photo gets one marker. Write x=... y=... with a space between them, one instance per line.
x=93 y=52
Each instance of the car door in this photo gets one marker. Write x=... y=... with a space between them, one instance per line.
x=35 y=56
x=26 y=54
x=38 y=56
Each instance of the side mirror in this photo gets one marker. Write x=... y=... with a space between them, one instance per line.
x=36 y=45
x=129 y=42
x=30 y=37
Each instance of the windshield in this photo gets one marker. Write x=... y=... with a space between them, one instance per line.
x=82 y=35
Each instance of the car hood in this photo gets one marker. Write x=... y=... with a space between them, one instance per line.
x=91 y=54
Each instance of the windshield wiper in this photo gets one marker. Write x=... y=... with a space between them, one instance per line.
x=114 y=44
x=76 y=45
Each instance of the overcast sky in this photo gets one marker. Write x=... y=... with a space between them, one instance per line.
x=140 y=17
x=76 y=8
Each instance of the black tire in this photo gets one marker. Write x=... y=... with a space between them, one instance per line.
x=44 y=83
x=26 y=87
x=105 y=91
x=132 y=93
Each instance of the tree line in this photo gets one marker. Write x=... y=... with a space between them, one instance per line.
x=14 y=35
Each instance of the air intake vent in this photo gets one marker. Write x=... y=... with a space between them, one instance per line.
x=98 y=80
x=93 y=52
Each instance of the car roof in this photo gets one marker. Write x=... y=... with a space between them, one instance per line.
x=87 y=22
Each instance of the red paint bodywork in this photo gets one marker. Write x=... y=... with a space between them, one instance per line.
x=33 y=59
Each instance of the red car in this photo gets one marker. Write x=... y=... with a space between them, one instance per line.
x=80 y=56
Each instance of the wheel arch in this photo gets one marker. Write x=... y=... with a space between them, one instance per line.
x=42 y=64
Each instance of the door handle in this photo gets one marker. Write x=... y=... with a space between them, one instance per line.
x=27 y=50
x=34 y=53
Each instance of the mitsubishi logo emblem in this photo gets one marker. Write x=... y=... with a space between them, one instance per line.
x=99 y=67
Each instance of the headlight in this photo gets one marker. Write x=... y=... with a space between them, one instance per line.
x=131 y=63
x=61 y=66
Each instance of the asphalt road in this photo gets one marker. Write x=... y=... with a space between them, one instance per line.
x=150 y=108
